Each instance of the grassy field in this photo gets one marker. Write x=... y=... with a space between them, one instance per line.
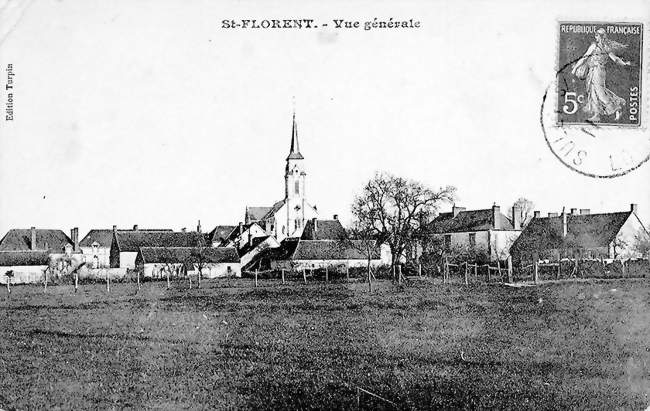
x=228 y=345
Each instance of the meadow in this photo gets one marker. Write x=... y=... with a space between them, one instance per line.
x=568 y=345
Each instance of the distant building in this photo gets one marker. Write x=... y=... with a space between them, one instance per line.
x=39 y=239
x=481 y=234
x=287 y=217
x=579 y=234
x=213 y=262
x=219 y=234
x=96 y=245
x=126 y=244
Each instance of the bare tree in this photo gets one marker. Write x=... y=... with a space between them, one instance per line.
x=363 y=240
x=641 y=243
x=393 y=210
x=526 y=210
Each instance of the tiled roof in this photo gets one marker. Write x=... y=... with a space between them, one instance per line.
x=20 y=240
x=104 y=237
x=252 y=244
x=23 y=258
x=274 y=209
x=325 y=230
x=173 y=255
x=131 y=241
x=256 y=213
x=472 y=220
x=583 y=231
x=220 y=233
x=293 y=249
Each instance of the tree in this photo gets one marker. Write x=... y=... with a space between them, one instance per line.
x=526 y=210
x=641 y=243
x=362 y=239
x=394 y=210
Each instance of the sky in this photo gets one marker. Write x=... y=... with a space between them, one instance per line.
x=150 y=113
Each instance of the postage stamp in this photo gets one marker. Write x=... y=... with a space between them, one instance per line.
x=594 y=112
x=600 y=66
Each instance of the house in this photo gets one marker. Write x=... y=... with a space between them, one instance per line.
x=254 y=247
x=126 y=244
x=213 y=262
x=39 y=239
x=242 y=234
x=219 y=234
x=23 y=266
x=296 y=254
x=483 y=235
x=287 y=217
x=96 y=245
x=579 y=234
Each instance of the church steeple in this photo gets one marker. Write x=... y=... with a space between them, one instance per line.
x=294 y=152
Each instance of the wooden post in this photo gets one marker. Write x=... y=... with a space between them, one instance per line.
x=499 y=268
x=347 y=272
x=138 y=278
x=399 y=274
x=369 y=278
x=76 y=281
x=189 y=277
x=304 y=275
x=393 y=272
x=45 y=281
x=488 y=273
x=536 y=273
x=283 y=276
x=475 y=271
x=108 y=282
x=8 y=286
x=559 y=267
x=622 y=268
x=510 y=269
x=466 y=273
x=255 y=277
x=327 y=279
x=169 y=283
x=445 y=271
x=420 y=270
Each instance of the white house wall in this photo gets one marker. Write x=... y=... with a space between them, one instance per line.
x=127 y=259
x=627 y=235
x=23 y=274
x=313 y=264
x=103 y=256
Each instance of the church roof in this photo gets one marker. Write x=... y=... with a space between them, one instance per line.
x=294 y=151
x=256 y=213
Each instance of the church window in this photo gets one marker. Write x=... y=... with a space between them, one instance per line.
x=297 y=187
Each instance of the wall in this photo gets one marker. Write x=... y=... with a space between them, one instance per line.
x=28 y=274
x=627 y=235
x=216 y=270
x=309 y=264
x=501 y=241
x=127 y=259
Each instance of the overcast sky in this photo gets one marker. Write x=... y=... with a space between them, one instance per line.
x=149 y=112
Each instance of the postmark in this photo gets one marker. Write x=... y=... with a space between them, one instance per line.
x=594 y=114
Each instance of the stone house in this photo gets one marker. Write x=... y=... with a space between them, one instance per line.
x=24 y=267
x=475 y=234
x=580 y=234
x=126 y=244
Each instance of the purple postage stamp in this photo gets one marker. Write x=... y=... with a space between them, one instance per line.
x=599 y=73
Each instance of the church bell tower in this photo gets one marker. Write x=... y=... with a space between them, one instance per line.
x=294 y=173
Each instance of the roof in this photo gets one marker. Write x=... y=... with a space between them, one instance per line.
x=255 y=241
x=324 y=230
x=173 y=255
x=292 y=249
x=20 y=258
x=256 y=213
x=46 y=239
x=583 y=231
x=472 y=220
x=294 y=150
x=274 y=209
x=220 y=233
x=131 y=241
x=104 y=237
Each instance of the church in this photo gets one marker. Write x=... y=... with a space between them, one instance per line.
x=286 y=218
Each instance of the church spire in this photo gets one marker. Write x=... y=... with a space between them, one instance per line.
x=294 y=152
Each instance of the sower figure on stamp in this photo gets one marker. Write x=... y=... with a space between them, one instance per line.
x=591 y=68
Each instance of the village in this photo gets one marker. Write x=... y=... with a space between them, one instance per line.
x=291 y=236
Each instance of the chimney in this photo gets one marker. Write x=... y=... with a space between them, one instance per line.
x=135 y=227
x=553 y=214
x=516 y=217
x=74 y=236
x=455 y=210
x=336 y=216
x=634 y=208
x=241 y=228
x=536 y=214
x=585 y=211
x=32 y=244
x=564 y=224
x=198 y=227
x=496 y=210
x=574 y=211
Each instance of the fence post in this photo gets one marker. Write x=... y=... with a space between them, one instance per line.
x=445 y=272
x=327 y=275
x=255 y=277
x=347 y=272
x=499 y=268
x=475 y=271
x=8 y=286
x=488 y=273
x=509 y=269
x=622 y=268
x=559 y=268
x=536 y=272
x=283 y=276
x=420 y=270
x=466 y=273
x=76 y=281
x=399 y=274
x=169 y=283
x=45 y=281
x=304 y=275
x=138 y=278
x=108 y=282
